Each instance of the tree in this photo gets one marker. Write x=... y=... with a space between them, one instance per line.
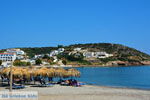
x=60 y=46
x=28 y=64
x=38 y=62
x=21 y=63
x=46 y=57
x=0 y=62
x=17 y=63
x=64 y=62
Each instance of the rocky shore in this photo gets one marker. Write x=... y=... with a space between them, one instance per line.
x=113 y=64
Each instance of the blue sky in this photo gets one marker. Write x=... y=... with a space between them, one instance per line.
x=34 y=23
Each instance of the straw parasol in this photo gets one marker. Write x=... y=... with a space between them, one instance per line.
x=17 y=73
x=41 y=72
x=60 y=72
x=51 y=72
x=73 y=72
x=32 y=70
x=5 y=71
x=26 y=73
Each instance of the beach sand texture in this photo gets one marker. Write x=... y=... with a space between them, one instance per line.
x=88 y=92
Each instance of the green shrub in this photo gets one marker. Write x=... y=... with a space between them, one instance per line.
x=38 y=62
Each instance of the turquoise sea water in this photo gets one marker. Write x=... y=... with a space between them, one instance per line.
x=125 y=77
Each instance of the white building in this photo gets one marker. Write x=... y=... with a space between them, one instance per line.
x=56 y=52
x=20 y=54
x=88 y=54
x=7 y=56
x=77 y=49
x=61 y=50
x=97 y=54
x=39 y=56
x=20 y=57
x=17 y=51
x=102 y=55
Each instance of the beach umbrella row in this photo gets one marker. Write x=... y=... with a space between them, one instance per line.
x=16 y=71
x=19 y=72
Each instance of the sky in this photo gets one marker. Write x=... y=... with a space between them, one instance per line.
x=39 y=23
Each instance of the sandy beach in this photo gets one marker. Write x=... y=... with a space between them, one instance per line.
x=87 y=92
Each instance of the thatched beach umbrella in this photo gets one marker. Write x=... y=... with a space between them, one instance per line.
x=32 y=70
x=73 y=72
x=60 y=72
x=17 y=73
x=41 y=72
x=5 y=71
x=26 y=73
x=51 y=72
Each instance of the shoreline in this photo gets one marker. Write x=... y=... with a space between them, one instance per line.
x=115 y=87
x=76 y=66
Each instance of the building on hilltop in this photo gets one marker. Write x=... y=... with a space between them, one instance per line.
x=88 y=54
x=38 y=56
x=77 y=49
x=20 y=54
x=56 y=52
x=102 y=55
x=17 y=51
x=96 y=54
x=61 y=50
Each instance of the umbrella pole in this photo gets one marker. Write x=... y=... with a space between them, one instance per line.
x=11 y=76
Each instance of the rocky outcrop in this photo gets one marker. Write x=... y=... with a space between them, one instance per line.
x=126 y=63
x=145 y=62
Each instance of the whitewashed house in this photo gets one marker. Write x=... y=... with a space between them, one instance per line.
x=77 y=49
x=97 y=54
x=7 y=56
x=38 y=56
x=17 y=51
x=56 y=52
x=61 y=50
x=88 y=54
x=102 y=55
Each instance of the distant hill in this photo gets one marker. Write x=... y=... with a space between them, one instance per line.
x=117 y=49
x=121 y=53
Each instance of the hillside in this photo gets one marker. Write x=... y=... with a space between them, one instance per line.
x=38 y=50
x=122 y=55
x=119 y=50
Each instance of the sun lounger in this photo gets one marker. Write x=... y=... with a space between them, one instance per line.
x=46 y=85
x=78 y=84
x=18 y=87
x=64 y=84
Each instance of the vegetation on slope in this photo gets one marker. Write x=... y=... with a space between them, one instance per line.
x=120 y=52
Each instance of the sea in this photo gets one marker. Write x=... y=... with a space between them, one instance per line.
x=137 y=77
